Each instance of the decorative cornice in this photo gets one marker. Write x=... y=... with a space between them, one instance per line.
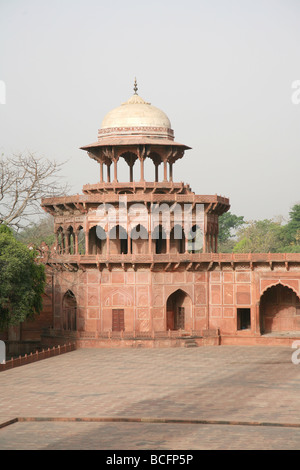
x=136 y=129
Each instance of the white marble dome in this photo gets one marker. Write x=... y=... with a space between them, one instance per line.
x=136 y=116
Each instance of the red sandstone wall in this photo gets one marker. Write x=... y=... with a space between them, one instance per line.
x=31 y=329
x=212 y=302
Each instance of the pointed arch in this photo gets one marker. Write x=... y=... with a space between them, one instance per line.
x=177 y=239
x=179 y=309
x=97 y=239
x=139 y=239
x=60 y=240
x=195 y=240
x=118 y=240
x=159 y=236
x=282 y=283
x=80 y=240
x=279 y=309
x=70 y=240
x=118 y=297
x=69 y=309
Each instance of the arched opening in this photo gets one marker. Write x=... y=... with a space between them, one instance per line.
x=70 y=236
x=160 y=238
x=177 y=239
x=80 y=241
x=118 y=240
x=279 y=310
x=130 y=159
x=195 y=240
x=122 y=171
x=126 y=191
x=139 y=240
x=156 y=158
x=69 y=308
x=148 y=169
x=97 y=237
x=179 y=307
x=60 y=242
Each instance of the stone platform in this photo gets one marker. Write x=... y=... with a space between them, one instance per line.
x=225 y=397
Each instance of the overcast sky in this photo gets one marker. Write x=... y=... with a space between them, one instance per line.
x=222 y=70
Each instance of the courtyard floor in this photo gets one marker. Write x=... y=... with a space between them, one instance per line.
x=219 y=397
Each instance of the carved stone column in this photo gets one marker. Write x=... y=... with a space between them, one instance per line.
x=76 y=242
x=156 y=172
x=101 y=172
x=170 y=171
x=131 y=173
x=67 y=244
x=165 y=170
x=87 y=241
x=108 y=172
x=115 y=170
x=143 y=153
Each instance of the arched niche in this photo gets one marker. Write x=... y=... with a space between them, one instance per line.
x=69 y=310
x=179 y=310
x=279 y=310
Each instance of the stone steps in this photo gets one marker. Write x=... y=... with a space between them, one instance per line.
x=190 y=343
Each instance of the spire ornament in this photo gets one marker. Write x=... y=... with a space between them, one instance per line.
x=135 y=88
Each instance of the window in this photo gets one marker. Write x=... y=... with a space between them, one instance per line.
x=243 y=318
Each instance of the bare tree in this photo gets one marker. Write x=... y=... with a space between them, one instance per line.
x=24 y=180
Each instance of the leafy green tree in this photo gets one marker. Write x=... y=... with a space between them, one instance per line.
x=260 y=236
x=22 y=280
x=243 y=246
x=290 y=249
x=292 y=229
x=228 y=224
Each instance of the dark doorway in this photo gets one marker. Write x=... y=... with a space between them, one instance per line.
x=69 y=311
x=178 y=305
x=179 y=319
x=243 y=318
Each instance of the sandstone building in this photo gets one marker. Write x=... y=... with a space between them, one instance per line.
x=127 y=278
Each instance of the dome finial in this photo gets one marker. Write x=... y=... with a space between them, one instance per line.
x=135 y=88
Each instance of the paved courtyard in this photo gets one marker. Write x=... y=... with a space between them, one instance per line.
x=224 y=397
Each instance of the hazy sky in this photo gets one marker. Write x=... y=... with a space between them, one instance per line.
x=222 y=70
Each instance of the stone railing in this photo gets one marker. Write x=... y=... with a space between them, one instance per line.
x=92 y=197
x=175 y=258
x=37 y=356
x=140 y=334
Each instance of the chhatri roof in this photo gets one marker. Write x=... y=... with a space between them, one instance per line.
x=135 y=122
x=136 y=112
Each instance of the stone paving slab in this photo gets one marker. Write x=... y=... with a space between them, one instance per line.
x=229 y=383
